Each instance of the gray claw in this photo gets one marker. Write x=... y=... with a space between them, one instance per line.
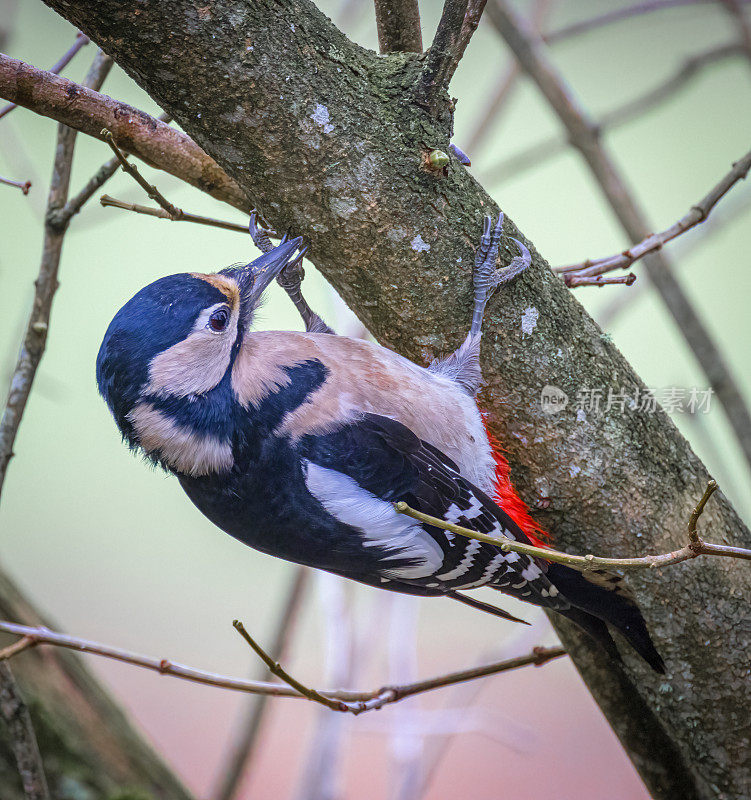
x=260 y=236
x=518 y=264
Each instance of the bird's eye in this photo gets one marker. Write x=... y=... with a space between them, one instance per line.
x=218 y=320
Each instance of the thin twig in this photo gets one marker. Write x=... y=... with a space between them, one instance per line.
x=160 y=213
x=736 y=10
x=618 y=15
x=151 y=190
x=696 y=547
x=23 y=740
x=506 y=86
x=696 y=215
x=97 y=180
x=398 y=25
x=24 y=187
x=585 y=137
x=139 y=134
x=738 y=205
x=355 y=702
x=59 y=66
x=243 y=746
x=574 y=279
x=275 y=668
x=441 y=62
x=548 y=148
x=46 y=283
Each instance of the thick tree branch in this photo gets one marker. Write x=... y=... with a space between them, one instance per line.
x=398 y=24
x=59 y=66
x=584 y=135
x=16 y=717
x=696 y=215
x=89 y=112
x=335 y=153
x=346 y=700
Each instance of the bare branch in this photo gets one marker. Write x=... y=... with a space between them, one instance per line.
x=59 y=66
x=22 y=737
x=243 y=747
x=89 y=112
x=618 y=15
x=506 y=85
x=546 y=149
x=696 y=215
x=46 y=283
x=738 y=205
x=350 y=701
x=24 y=187
x=441 y=60
x=469 y=26
x=160 y=213
x=398 y=24
x=574 y=279
x=696 y=547
x=585 y=137
x=743 y=23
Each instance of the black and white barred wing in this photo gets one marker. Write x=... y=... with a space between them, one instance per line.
x=359 y=471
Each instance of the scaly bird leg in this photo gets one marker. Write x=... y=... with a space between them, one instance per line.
x=463 y=365
x=290 y=279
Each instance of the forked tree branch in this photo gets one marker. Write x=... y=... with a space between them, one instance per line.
x=696 y=215
x=46 y=283
x=138 y=133
x=532 y=56
x=353 y=702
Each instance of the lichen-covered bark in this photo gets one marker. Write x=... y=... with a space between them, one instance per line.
x=88 y=746
x=325 y=138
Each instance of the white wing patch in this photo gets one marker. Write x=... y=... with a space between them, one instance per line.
x=378 y=522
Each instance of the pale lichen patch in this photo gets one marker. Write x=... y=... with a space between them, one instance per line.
x=322 y=118
x=419 y=245
x=530 y=316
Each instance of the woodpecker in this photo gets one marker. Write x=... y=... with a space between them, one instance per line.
x=300 y=444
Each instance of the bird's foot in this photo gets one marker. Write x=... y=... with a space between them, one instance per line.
x=486 y=277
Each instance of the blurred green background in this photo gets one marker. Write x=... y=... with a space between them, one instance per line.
x=115 y=552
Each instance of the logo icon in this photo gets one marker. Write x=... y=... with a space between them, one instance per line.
x=553 y=400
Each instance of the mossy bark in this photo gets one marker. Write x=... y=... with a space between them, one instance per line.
x=327 y=139
x=88 y=746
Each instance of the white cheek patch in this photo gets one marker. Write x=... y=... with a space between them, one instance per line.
x=183 y=449
x=197 y=363
x=376 y=520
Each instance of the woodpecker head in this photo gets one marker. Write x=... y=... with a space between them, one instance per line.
x=169 y=350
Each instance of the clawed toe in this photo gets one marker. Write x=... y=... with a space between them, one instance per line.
x=260 y=236
x=517 y=265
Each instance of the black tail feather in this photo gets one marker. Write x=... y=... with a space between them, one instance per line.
x=595 y=605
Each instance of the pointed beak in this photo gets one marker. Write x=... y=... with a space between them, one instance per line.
x=255 y=278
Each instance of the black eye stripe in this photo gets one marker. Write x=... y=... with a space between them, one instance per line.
x=218 y=320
